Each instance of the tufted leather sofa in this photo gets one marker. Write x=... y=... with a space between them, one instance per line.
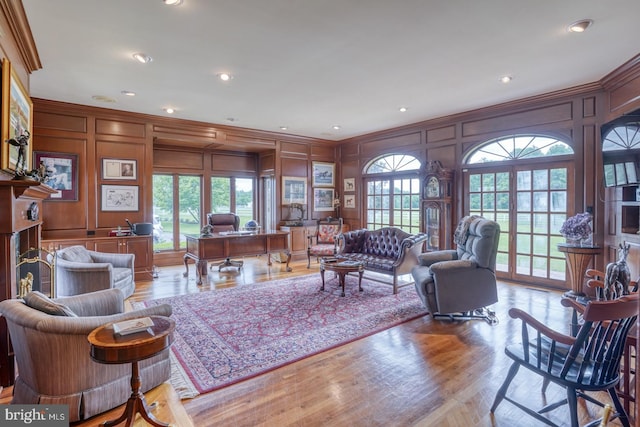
x=388 y=250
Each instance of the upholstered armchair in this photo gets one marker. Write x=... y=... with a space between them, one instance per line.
x=79 y=270
x=323 y=242
x=224 y=222
x=461 y=282
x=52 y=352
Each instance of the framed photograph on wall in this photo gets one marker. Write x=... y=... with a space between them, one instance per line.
x=17 y=122
x=323 y=199
x=349 y=184
x=294 y=190
x=349 y=201
x=60 y=172
x=120 y=198
x=119 y=169
x=323 y=174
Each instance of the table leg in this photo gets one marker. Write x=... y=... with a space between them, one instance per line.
x=201 y=270
x=341 y=278
x=136 y=404
x=186 y=266
x=288 y=259
x=360 y=274
x=322 y=275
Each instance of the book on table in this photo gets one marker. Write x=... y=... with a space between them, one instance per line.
x=128 y=327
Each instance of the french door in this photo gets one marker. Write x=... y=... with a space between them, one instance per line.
x=530 y=202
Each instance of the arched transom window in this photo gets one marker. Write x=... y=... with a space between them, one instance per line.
x=392 y=192
x=518 y=147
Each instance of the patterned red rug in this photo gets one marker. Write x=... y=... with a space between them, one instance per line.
x=229 y=335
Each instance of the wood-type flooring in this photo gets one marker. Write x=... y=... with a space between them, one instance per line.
x=424 y=372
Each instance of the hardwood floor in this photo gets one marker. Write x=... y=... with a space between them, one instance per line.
x=422 y=373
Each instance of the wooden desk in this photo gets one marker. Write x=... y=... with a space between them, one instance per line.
x=222 y=246
x=578 y=259
x=110 y=349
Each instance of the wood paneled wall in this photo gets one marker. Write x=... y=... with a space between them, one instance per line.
x=156 y=144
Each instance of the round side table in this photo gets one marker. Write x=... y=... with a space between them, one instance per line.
x=108 y=348
x=578 y=259
x=341 y=268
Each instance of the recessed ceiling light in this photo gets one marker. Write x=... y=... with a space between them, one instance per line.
x=128 y=93
x=336 y=127
x=580 y=26
x=283 y=128
x=102 y=98
x=169 y=110
x=506 y=79
x=225 y=77
x=231 y=119
x=402 y=109
x=142 y=57
x=172 y=2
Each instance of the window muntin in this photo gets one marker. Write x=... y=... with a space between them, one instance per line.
x=393 y=194
x=518 y=147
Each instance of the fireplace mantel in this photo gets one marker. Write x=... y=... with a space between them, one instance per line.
x=21 y=229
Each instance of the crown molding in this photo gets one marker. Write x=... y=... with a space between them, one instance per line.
x=622 y=75
x=21 y=33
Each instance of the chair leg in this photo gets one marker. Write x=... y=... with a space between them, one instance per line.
x=308 y=259
x=502 y=391
x=572 y=400
x=622 y=414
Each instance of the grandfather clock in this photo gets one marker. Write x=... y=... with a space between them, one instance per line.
x=437 y=198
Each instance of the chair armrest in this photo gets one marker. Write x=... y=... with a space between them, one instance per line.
x=81 y=267
x=453 y=266
x=99 y=303
x=117 y=260
x=84 y=325
x=428 y=258
x=529 y=320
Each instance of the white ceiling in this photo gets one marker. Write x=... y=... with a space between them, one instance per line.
x=312 y=64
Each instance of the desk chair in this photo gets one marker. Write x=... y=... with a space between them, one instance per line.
x=221 y=222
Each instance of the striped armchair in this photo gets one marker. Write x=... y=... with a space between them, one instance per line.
x=79 y=270
x=53 y=357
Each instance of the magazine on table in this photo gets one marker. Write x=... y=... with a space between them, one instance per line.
x=128 y=327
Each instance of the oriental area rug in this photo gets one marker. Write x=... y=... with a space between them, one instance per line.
x=228 y=335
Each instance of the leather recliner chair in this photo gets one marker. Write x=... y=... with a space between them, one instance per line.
x=461 y=282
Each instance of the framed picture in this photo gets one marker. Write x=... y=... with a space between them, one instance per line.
x=323 y=199
x=119 y=169
x=60 y=172
x=120 y=198
x=349 y=184
x=17 y=122
x=350 y=201
x=323 y=174
x=294 y=190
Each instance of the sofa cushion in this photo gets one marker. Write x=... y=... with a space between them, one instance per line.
x=76 y=254
x=41 y=302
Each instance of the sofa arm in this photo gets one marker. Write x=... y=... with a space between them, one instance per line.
x=410 y=247
x=351 y=241
x=100 y=303
x=117 y=260
x=428 y=258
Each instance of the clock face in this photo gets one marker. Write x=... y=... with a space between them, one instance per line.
x=433 y=187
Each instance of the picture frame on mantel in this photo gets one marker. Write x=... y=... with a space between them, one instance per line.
x=16 y=121
x=60 y=172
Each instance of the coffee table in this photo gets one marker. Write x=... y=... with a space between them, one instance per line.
x=111 y=349
x=341 y=268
